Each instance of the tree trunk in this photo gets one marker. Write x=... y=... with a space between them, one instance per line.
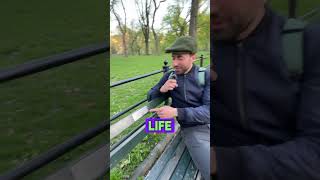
x=122 y=26
x=146 y=41
x=155 y=36
x=124 y=45
x=156 y=42
x=193 y=18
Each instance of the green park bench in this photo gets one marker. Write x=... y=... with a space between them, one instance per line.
x=174 y=161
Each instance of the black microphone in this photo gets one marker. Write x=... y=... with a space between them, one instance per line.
x=173 y=75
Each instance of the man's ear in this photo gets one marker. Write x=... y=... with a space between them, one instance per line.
x=194 y=57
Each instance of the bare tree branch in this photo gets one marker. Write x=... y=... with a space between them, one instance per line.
x=122 y=26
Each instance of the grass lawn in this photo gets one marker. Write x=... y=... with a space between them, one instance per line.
x=303 y=6
x=123 y=96
x=46 y=109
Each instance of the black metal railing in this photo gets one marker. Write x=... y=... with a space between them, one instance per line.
x=310 y=14
x=46 y=63
x=114 y=117
x=43 y=64
x=165 y=69
x=135 y=78
x=292 y=10
x=55 y=152
x=292 y=4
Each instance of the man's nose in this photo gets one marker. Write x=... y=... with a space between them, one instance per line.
x=174 y=63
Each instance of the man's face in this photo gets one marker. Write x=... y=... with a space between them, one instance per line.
x=182 y=62
x=230 y=18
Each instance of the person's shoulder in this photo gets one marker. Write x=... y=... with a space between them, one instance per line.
x=311 y=47
x=312 y=37
x=312 y=31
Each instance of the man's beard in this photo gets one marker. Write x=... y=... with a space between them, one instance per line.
x=230 y=31
x=226 y=34
x=181 y=70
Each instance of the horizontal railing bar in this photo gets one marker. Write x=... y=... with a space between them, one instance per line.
x=310 y=13
x=142 y=76
x=46 y=63
x=134 y=78
x=126 y=137
x=114 y=117
x=126 y=146
x=55 y=152
x=118 y=127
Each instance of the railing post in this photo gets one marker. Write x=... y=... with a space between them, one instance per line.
x=292 y=8
x=201 y=60
x=165 y=68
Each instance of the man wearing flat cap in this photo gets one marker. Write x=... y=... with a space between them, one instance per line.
x=190 y=93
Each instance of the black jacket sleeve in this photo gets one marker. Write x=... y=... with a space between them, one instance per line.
x=200 y=114
x=297 y=159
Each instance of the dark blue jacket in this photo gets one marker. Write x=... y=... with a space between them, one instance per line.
x=190 y=98
x=265 y=125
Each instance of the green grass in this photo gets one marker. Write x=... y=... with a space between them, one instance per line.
x=48 y=108
x=303 y=6
x=39 y=28
x=126 y=167
x=123 y=96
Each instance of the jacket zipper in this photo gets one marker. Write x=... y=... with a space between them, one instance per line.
x=240 y=90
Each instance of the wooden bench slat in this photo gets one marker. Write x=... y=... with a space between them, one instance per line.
x=126 y=122
x=198 y=177
x=164 y=158
x=173 y=162
x=118 y=127
x=182 y=166
x=191 y=171
x=126 y=146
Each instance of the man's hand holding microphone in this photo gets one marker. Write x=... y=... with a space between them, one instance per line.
x=170 y=84
x=167 y=111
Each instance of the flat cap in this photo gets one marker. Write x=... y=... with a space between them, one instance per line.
x=183 y=44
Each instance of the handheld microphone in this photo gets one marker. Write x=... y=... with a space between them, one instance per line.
x=173 y=76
